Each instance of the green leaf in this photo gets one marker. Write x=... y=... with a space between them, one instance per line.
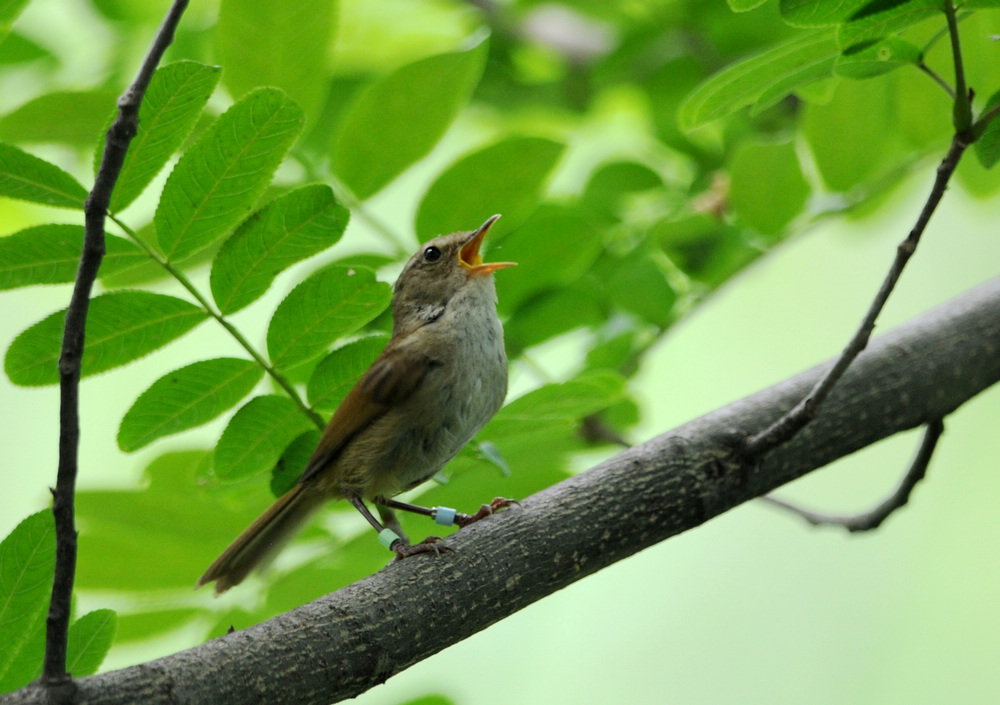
x=507 y=177
x=638 y=283
x=878 y=58
x=397 y=120
x=257 y=436
x=186 y=398
x=50 y=254
x=27 y=562
x=173 y=102
x=552 y=313
x=28 y=178
x=276 y=44
x=851 y=136
x=217 y=182
x=9 y=10
x=291 y=228
x=553 y=248
x=560 y=405
x=293 y=461
x=89 y=641
x=818 y=13
x=44 y=119
x=883 y=18
x=18 y=49
x=122 y=326
x=186 y=516
x=771 y=75
x=334 y=302
x=744 y=5
x=767 y=188
x=612 y=183
x=988 y=142
x=340 y=370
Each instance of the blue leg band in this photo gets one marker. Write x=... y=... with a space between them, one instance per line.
x=445 y=516
x=387 y=537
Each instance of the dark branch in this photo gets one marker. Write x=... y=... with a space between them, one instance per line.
x=344 y=643
x=119 y=136
x=873 y=518
x=785 y=428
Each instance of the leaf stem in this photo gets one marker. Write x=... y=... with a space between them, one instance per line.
x=233 y=330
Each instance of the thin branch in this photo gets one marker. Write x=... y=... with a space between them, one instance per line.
x=791 y=423
x=873 y=518
x=177 y=274
x=349 y=641
x=962 y=110
x=119 y=136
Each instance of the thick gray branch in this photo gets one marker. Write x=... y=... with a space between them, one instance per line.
x=346 y=642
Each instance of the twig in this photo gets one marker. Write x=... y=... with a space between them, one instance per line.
x=119 y=136
x=966 y=133
x=788 y=425
x=873 y=518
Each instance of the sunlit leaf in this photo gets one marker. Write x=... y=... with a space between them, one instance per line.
x=340 y=370
x=176 y=96
x=217 y=182
x=507 y=177
x=257 y=436
x=186 y=521
x=122 y=326
x=818 y=13
x=882 y=18
x=186 y=398
x=397 y=120
x=276 y=44
x=27 y=560
x=988 y=142
x=89 y=641
x=291 y=228
x=50 y=254
x=878 y=58
x=775 y=72
x=28 y=178
x=43 y=119
x=767 y=188
x=334 y=302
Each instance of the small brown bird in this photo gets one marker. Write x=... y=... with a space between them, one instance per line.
x=442 y=375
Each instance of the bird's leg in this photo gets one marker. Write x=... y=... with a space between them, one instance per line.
x=446 y=516
x=390 y=521
x=390 y=539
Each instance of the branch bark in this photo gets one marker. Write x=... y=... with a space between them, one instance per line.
x=346 y=642
x=119 y=136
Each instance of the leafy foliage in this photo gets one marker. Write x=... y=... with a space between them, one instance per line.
x=636 y=171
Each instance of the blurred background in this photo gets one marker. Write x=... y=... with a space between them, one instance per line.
x=754 y=606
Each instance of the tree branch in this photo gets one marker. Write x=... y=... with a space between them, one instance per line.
x=120 y=134
x=346 y=642
x=785 y=428
x=873 y=518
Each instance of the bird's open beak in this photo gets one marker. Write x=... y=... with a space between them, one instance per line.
x=469 y=254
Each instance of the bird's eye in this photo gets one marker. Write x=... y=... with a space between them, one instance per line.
x=432 y=254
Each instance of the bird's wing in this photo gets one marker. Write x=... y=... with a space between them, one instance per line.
x=391 y=380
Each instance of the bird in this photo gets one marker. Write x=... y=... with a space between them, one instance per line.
x=440 y=378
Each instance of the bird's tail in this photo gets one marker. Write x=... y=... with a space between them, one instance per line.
x=269 y=532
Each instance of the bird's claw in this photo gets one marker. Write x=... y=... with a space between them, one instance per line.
x=431 y=544
x=486 y=510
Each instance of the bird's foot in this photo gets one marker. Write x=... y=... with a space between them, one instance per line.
x=431 y=544
x=486 y=510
